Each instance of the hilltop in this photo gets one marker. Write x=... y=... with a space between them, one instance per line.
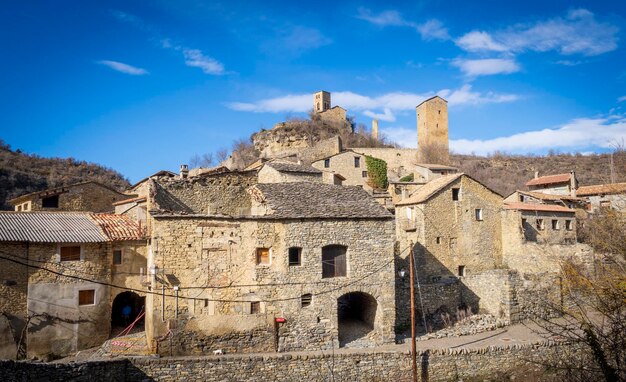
x=21 y=173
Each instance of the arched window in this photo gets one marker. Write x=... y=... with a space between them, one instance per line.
x=333 y=261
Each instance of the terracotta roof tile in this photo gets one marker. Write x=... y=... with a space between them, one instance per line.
x=598 y=189
x=537 y=207
x=119 y=227
x=549 y=179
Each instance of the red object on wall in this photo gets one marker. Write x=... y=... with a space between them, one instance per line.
x=280 y=319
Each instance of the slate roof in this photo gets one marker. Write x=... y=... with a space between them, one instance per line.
x=549 y=179
x=119 y=227
x=293 y=167
x=537 y=207
x=602 y=189
x=318 y=200
x=50 y=227
x=425 y=192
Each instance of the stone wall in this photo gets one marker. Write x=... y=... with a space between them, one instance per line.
x=214 y=264
x=344 y=164
x=267 y=174
x=432 y=126
x=89 y=196
x=400 y=162
x=321 y=149
x=13 y=279
x=493 y=363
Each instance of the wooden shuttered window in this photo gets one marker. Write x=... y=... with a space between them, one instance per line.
x=70 y=253
x=263 y=256
x=334 y=261
x=87 y=297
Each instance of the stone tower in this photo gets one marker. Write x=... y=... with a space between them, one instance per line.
x=432 y=130
x=321 y=101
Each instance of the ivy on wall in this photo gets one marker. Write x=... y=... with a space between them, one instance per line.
x=407 y=178
x=376 y=172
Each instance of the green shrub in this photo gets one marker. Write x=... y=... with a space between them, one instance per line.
x=376 y=172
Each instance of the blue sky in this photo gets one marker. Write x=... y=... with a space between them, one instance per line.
x=141 y=86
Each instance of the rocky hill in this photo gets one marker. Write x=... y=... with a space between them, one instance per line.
x=21 y=173
x=506 y=173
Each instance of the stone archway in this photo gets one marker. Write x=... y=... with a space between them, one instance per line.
x=126 y=308
x=356 y=317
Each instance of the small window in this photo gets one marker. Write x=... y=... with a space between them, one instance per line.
x=87 y=297
x=70 y=253
x=555 y=225
x=255 y=307
x=357 y=162
x=540 y=225
x=19 y=208
x=364 y=174
x=50 y=202
x=478 y=213
x=295 y=255
x=305 y=299
x=455 y=194
x=438 y=239
x=117 y=256
x=333 y=261
x=327 y=163
x=569 y=225
x=262 y=256
x=461 y=270
x=524 y=223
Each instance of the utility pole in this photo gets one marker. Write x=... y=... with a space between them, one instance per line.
x=412 y=289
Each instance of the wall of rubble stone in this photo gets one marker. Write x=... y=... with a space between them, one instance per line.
x=510 y=362
x=90 y=197
x=321 y=149
x=267 y=174
x=345 y=165
x=400 y=162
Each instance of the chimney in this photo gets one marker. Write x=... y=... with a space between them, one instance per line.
x=184 y=171
x=536 y=174
x=572 y=183
x=375 y=129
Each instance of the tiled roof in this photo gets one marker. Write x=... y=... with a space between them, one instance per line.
x=131 y=200
x=536 y=207
x=119 y=227
x=425 y=192
x=49 y=227
x=293 y=167
x=598 y=189
x=549 y=179
x=317 y=200
x=544 y=196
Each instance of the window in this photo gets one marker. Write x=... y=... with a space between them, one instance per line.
x=117 y=256
x=461 y=270
x=364 y=174
x=438 y=240
x=333 y=261
x=87 y=297
x=523 y=223
x=540 y=225
x=50 y=202
x=263 y=256
x=305 y=299
x=295 y=256
x=569 y=225
x=455 y=194
x=255 y=307
x=478 y=213
x=19 y=208
x=327 y=163
x=555 y=225
x=357 y=162
x=521 y=198
x=70 y=253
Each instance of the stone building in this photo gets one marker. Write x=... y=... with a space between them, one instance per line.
x=559 y=184
x=56 y=270
x=349 y=164
x=283 y=172
x=611 y=195
x=400 y=162
x=432 y=130
x=281 y=266
x=85 y=196
x=328 y=114
x=537 y=237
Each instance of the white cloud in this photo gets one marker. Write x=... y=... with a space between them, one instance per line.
x=621 y=99
x=387 y=115
x=569 y=62
x=394 y=101
x=123 y=68
x=432 y=29
x=195 y=58
x=576 y=33
x=576 y=134
x=486 y=67
x=302 y=38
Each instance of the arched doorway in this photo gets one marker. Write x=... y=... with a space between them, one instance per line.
x=126 y=307
x=356 y=315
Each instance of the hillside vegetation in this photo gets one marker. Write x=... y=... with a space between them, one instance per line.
x=507 y=173
x=21 y=173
